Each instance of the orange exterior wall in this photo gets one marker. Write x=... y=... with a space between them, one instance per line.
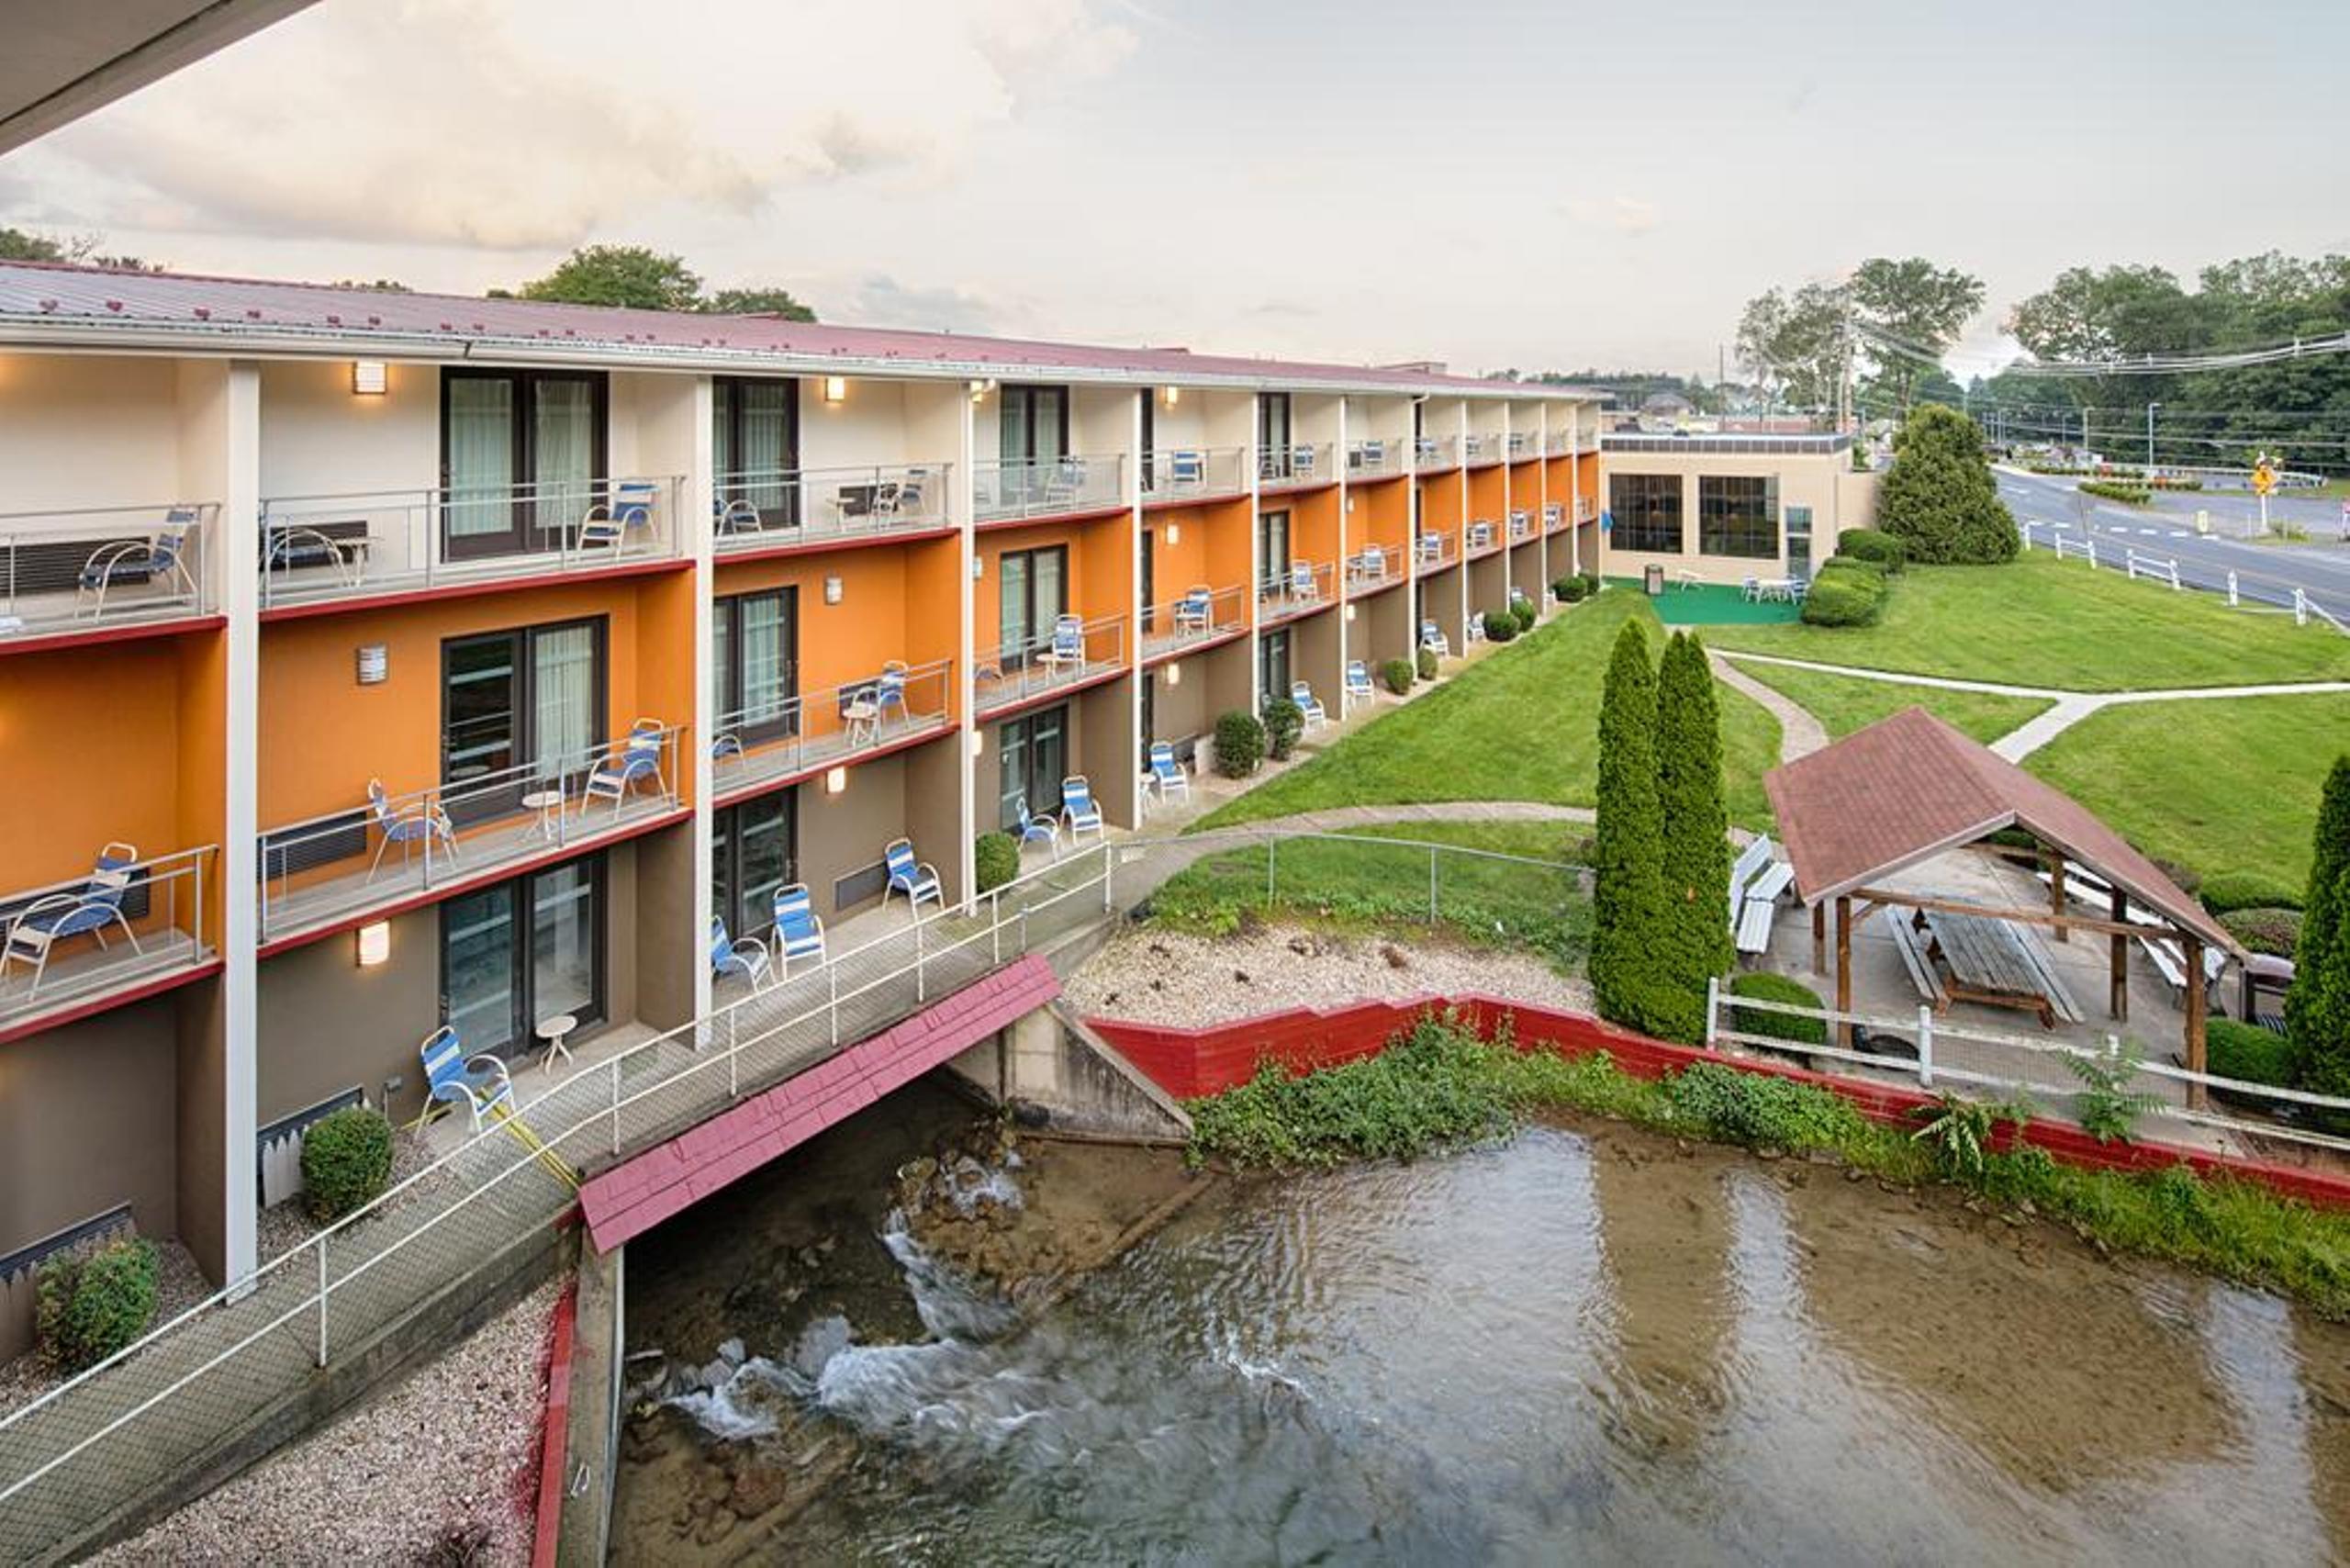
x=1558 y=474
x=838 y=643
x=90 y=752
x=1101 y=569
x=1588 y=483
x=1214 y=548
x=1312 y=526
x=1381 y=517
x=1441 y=504
x=1487 y=499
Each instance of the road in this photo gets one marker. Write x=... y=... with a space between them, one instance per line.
x=2164 y=528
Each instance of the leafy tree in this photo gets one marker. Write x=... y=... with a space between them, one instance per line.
x=1628 y=845
x=633 y=275
x=1924 y=306
x=1695 y=870
x=18 y=245
x=1939 y=498
x=22 y=245
x=1795 y=343
x=758 y=302
x=2317 y=1005
x=381 y=284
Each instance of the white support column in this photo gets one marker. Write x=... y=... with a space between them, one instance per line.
x=1460 y=523
x=962 y=508
x=1252 y=459
x=1346 y=549
x=239 y=587
x=697 y=520
x=1129 y=784
x=1574 y=487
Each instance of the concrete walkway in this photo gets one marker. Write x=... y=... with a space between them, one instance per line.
x=1800 y=734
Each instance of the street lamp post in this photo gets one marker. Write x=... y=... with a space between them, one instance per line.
x=2150 y=438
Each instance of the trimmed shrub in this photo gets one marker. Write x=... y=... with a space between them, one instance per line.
x=1590 y=584
x=1526 y=615
x=1569 y=591
x=2127 y=495
x=2249 y=1052
x=346 y=1161
x=2224 y=893
x=1500 y=626
x=1939 y=499
x=1239 y=744
x=1284 y=722
x=1397 y=673
x=1857 y=566
x=89 y=1304
x=2273 y=932
x=1873 y=545
x=995 y=860
x=1694 y=869
x=1424 y=661
x=1842 y=598
x=1778 y=1025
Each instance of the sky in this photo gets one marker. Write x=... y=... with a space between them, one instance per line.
x=1498 y=185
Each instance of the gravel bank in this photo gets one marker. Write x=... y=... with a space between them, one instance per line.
x=444 y=1455
x=1160 y=976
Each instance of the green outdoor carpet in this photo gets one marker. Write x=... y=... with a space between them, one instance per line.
x=1713 y=604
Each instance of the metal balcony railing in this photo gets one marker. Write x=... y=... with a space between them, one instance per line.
x=384 y=848
x=104 y=566
x=1437 y=548
x=1287 y=467
x=1554 y=517
x=1435 y=452
x=316 y=548
x=1585 y=508
x=1047 y=486
x=130 y=920
x=786 y=506
x=799 y=734
x=1188 y=472
x=1374 y=566
x=1520 y=443
x=1374 y=459
x=1562 y=441
x=1482 y=448
x=1201 y=613
x=1304 y=587
x=1073 y=652
x=1480 y=538
x=1521 y=525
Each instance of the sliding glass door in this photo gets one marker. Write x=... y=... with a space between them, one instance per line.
x=521 y=453
x=755 y=433
x=1031 y=758
x=755 y=849
x=755 y=664
x=520 y=709
x=1272 y=552
x=517 y=954
x=1032 y=592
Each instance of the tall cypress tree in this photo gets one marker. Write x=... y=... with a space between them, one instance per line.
x=1695 y=913
x=1628 y=853
x=2317 y=1005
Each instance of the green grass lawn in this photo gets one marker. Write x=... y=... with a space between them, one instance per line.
x=2223 y=785
x=1843 y=703
x=2040 y=621
x=1361 y=880
x=1521 y=725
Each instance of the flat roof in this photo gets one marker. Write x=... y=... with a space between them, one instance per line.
x=1786 y=446
x=50 y=305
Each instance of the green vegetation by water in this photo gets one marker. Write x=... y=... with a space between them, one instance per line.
x=1439 y=1085
x=1843 y=703
x=1516 y=725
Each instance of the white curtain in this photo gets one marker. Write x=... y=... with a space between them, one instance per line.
x=564 y=672
x=564 y=428
x=767 y=663
x=481 y=455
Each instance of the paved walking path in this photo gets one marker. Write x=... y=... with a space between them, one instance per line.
x=1332 y=819
x=1800 y=734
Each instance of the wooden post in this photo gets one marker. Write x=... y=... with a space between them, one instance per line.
x=2191 y=948
x=2056 y=889
x=1819 y=939
x=2117 y=1002
x=1844 y=968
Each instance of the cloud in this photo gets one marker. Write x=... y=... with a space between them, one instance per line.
x=1625 y=215
x=536 y=123
x=879 y=301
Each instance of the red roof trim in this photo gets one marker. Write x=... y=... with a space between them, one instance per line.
x=487 y=585
x=720 y=799
x=1047 y=520
x=723 y=558
x=71 y=1013
x=51 y=642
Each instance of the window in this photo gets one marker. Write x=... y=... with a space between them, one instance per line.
x=1032 y=592
x=1272 y=552
x=1647 y=508
x=1033 y=425
x=522 y=451
x=1273 y=451
x=753 y=850
x=1031 y=758
x=517 y=954
x=755 y=664
x=754 y=431
x=1150 y=436
x=1275 y=681
x=518 y=709
x=1738 y=515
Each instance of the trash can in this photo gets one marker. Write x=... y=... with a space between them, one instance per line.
x=1652 y=579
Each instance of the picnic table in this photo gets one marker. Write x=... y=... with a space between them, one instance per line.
x=1989 y=962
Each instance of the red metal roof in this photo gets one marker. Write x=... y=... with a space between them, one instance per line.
x=99 y=299
x=1909 y=788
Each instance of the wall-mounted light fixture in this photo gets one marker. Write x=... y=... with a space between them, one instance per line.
x=1174 y=396
x=374 y=943
x=369 y=378
x=1174 y=674
x=980 y=390
x=374 y=662
x=1174 y=534
x=979 y=568
x=979 y=742
x=836 y=781
x=1350 y=615
x=835 y=388
x=832 y=589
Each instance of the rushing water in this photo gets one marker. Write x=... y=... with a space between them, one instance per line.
x=1581 y=1347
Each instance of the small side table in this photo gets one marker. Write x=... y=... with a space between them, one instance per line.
x=548 y=803
x=554 y=1031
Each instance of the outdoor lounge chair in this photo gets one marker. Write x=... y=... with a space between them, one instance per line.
x=918 y=879
x=1372 y=565
x=1431 y=548
x=738 y=516
x=86 y=912
x=1301 y=585
x=478 y=1082
x=744 y=956
x=424 y=822
x=1358 y=687
x=890 y=691
x=799 y=929
x=159 y=557
x=1480 y=535
x=1038 y=827
x=1166 y=776
x=1067 y=648
x=1186 y=471
x=1301 y=462
x=1196 y=611
x=637 y=756
x=1307 y=703
x=1435 y=640
x=1078 y=809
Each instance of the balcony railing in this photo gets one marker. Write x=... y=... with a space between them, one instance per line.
x=1189 y=472
x=128 y=922
x=1374 y=459
x=1437 y=548
x=318 y=548
x=1585 y=508
x=1287 y=467
x=1562 y=441
x=1480 y=538
x=1520 y=444
x=1435 y=452
x=1374 y=566
x=1202 y=614
x=1304 y=587
x=1047 y=486
x=103 y=567
x=797 y=734
x=379 y=851
x=788 y=506
x=1554 y=517
x=1482 y=448
x=1521 y=525
x=1062 y=658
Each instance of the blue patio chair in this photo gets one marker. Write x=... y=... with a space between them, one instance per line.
x=736 y=516
x=424 y=822
x=1186 y=471
x=727 y=744
x=1301 y=585
x=1036 y=827
x=606 y=524
x=1431 y=548
x=744 y=955
x=1372 y=565
x=637 y=756
x=799 y=929
x=1432 y=638
x=908 y=500
x=159 y=557
x=86 y=912
x=1196 y=611
x=1302 y=693
x=477 y=1082
x=890 y=691
x=1068 y=650
x=1166 y=774
x=918 y=879
x=1521 y=523
x=1372 y=454
x=1481 y=534
x=1078 y=809
x=1358 y=687
x=1065 y=482
x=1301 y=462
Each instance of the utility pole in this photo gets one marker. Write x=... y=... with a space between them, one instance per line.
x=2149 y=436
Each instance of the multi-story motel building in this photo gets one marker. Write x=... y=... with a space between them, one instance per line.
x=374 y=661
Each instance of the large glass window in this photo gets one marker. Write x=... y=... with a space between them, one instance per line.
x=1032 y=592
x=755 y=439
x=1150 y=436
x=522 y=451
x=1034 y=426
x=1647 y=511
x=510 y=699
x=1031 y=758
x=755 y=849
x=1272 y=552
x=1738 y=515
x=1273 y=450
x=518 y=954
x=1275 y=682
x=755 y=664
